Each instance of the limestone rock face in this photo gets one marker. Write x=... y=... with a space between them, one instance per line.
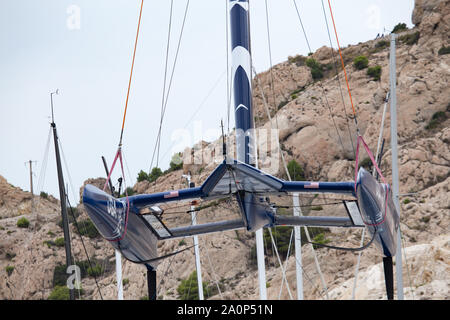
x=314 y=123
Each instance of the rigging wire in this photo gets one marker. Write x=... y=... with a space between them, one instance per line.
x=283 y=270
x=213 y=271
x=131 y=75
x=338 y=78
x=319 y=83
x=84 y=226
x=84 y=246
x=158 y=139
x=163 y=96
x=343 y=67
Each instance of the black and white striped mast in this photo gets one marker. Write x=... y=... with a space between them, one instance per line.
x=242 y=91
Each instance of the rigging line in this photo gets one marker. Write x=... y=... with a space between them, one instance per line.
x=43 y=170
x=272 y=86
x=165 y=273
x=311 y=282
x=213 y=271
x=199 y=107
x=347 y=249
x=343 y=66
x=286 y=264
x=276 y=123
x=227 y=48
x=170 y=85
x=283 y=270
x=84 y=247
x=131 y=74
x=337 y=77
x=165 y=69
x=319 y=83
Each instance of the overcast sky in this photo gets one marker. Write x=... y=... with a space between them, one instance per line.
x=84 y=48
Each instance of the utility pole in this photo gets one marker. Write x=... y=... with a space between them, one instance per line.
x=62 y=197
x=196 y=248
x=30 y=162
x=395 y=179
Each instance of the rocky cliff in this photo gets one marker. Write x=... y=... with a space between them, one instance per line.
x=316 y=129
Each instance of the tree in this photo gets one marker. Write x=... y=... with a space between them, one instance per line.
x=176 y=163
x=142 y=176
x=295 y=171
x=155 y=174
x=399 y=28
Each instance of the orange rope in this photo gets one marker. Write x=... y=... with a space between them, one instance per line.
x=131 y=73
x=342 y=60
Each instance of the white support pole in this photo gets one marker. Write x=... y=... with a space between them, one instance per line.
x=196 y=248
x=298 y=248
x=261 y=265
x=395 y=179
x=197 y=258
x=119 y=275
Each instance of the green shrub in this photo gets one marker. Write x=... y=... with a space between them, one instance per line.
x=320 y=238
x=176 y=163
x=9 y=270
x=95 y=270
x=360 y=62
x=188 y=288
x=295 y=171
x=155 y=174
x=282 y=104
x=10 y=255
x=406 y=201
x=23 y=223
x=399 y=28
x=87 y=228
x=130 y=191
x=49 y=243
x=316 y=68
x=142 y=176
x=125 y=281
x=444 y=50
x=317 y=208
x=366 y=164
x=381 y=45
x=436 y=119
x=59 y=293
x=375 y=72
x=298 y=60
x=59 y=242
x=410 y=39
x=59 y=276
x=43 y=195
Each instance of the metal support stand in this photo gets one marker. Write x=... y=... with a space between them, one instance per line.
x=119 y=275
x=389 y=277
x=298 y=248
x=151 y=283
x=196 y=248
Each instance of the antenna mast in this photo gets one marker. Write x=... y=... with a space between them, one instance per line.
x=62 y=197
x=242 y=90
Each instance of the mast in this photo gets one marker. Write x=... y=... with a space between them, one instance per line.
x=242 y=90
x=62 y=197
x=395 y=180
